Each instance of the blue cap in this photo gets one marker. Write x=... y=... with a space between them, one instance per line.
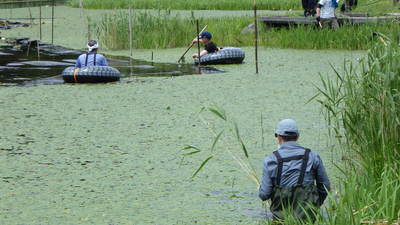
x=287 y=128
x=207 y=35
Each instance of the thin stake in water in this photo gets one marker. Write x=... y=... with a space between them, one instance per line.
x=40 y=22
x=38 y=50
x=130 y=30
x=198 y=41
x=52 y=23
x=256 y=33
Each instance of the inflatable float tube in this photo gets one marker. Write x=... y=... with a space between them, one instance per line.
x=91 y=74
x=227 y=55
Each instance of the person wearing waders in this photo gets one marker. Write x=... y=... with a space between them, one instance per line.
x=294 y=177
x=91 y=57
x=209 y=46
x=326 y=13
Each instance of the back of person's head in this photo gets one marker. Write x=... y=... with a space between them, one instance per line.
x=288 y=130
x=206 y=35
x=92 y=45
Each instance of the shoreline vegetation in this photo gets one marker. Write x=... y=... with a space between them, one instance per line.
x=371 y=7
x=362 y=106
x=164 y=30
x=189 y=4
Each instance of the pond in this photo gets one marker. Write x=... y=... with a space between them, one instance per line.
x=24 y=64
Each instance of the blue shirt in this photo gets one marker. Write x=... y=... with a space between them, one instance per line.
x=315 y=172
x=100 y=60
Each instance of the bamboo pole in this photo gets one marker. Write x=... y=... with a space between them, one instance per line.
x=130 y=31
x=198 y=41
x=191 y=45
x=256 y=33
x=52 y=23
x=40 y=22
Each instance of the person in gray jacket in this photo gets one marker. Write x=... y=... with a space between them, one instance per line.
x=294 y=177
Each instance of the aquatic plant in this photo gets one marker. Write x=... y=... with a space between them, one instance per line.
x=154 y=31
x=228 y=134
x=189 y=4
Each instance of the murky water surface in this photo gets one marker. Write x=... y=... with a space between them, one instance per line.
x=26 y=65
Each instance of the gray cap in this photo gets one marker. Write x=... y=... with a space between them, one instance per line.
x=287 y=128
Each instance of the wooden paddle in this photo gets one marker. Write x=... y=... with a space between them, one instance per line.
x=180 y=59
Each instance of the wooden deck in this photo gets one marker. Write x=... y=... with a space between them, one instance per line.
x=282 y=21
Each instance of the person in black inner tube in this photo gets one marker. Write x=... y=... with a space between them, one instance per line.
x=209 y=46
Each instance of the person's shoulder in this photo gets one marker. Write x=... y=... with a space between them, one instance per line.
x=101 y=55
x=315 y=155
x=271 y=158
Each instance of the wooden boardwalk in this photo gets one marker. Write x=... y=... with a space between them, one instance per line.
x=282 y=21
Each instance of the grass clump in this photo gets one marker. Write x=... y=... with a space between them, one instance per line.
x=163 y=30
x=347 y=37
x=190 y=4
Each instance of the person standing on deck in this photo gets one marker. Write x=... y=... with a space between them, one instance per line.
x=91 y=58
x=326 y=16
x=209 y=46
x=293 y=176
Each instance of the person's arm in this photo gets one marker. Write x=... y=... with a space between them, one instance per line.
x=204 y=52
x=318 y=10
x=78 y=63
x=104 y=61
x=322 y=180
x=266 y=186
x=195 y=40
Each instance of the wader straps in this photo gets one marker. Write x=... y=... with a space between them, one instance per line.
x=281 y=160
x=304 y=166
x=86 y=60
x=87 y=57
x=280 y=166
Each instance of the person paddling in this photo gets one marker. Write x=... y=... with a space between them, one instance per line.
x=91 y=57
x=209 y=46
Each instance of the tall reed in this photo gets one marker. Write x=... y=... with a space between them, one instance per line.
x=163 y=30
x=362 y=106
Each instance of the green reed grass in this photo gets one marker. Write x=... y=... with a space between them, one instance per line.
x=228 y=134
x=190 y=4
x=362 y=106
x=164 y=30
x=347 y=37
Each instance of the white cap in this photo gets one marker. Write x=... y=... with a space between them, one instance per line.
x=92 y=45
x=287 y=128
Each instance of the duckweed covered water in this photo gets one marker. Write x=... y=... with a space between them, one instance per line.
x=111 y=154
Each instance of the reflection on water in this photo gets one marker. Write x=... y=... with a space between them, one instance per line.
x=24 y=64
